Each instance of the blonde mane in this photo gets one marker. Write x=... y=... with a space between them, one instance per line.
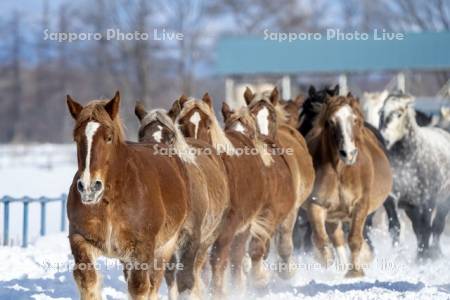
x=185 y=152
x=95 y=110
x=282 y=114
x=218 y=138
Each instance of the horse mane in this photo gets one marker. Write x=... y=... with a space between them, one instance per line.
x=333 y=105
x=281 y=113
x=95 y=111
x=180 y=144
x=218 y=138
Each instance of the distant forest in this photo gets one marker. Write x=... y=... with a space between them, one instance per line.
x=36 y=74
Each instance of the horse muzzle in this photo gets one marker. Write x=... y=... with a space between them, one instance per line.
x=348 y=157
x=90 y=193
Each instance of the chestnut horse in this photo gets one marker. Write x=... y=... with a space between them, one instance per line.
x=353 y=178
x=275 y=130
x=124 y=202
x=258 y=204
x=209 y=194
x=290 y=110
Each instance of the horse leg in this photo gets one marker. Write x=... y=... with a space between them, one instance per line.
x=393 y=220
x=199 y=264
x=302 y=232
x=437 y=229
x=356 y=240
x=84 y=273
x=169 y=276
x=258 y=248
x=236 y=258
x=317 y=215
x=157 y=272
x=336 y=234
x=186 y=277
x=138 y=284
x=367 y=229
x=220 y=254
x=285 y=245
x=420 y=219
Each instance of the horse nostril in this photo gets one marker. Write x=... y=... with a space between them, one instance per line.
x=98 y=185
x=80 y=186
x=343 y=153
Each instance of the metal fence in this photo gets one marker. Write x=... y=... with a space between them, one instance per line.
x=43 y=218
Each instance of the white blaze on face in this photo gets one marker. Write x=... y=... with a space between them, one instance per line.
x=91 y=129
x=344 y=118
x=262 y=119
x=157 y=135
x=239 y=128
x=195 y=119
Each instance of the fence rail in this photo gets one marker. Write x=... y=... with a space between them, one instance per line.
x=7 y=200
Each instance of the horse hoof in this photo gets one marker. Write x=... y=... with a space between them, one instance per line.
x=325 y=256
x=188 y=295
x=261 y=280
x=286 y=274
x=354 y=273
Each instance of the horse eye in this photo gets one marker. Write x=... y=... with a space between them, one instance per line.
x=109 y=139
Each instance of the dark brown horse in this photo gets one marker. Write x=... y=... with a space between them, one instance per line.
x=124 y=202
x=273 y=128
x=209 y=195
x=353 y=178
x=257 y=204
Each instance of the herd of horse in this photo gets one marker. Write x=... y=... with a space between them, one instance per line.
x=308 y=172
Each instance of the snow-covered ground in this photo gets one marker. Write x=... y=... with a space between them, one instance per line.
x=43 y=270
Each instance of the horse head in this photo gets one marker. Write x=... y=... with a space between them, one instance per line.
x=397 y=118
x=97 y=131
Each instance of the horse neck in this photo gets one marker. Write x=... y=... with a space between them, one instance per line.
x=118 y=163
x=220 y=140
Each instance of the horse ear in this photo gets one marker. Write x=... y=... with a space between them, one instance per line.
x=248 y=95
x=112 y=106
x=274 y=96
x=311 y=90
x=226 y=111
x=74 y=107
x=139 y=110
x=174 y=110
x=384 y=94
x=336 y=90
x=207 y=99
x=349 y=94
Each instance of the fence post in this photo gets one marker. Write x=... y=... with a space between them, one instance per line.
x=25 y=223
x=43 y=216
x=63 y=212
x=6 y=223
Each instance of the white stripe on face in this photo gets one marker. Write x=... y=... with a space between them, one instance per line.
x=157 y=135
x=262 y=119
x=91 y=129
x=239 y=128
x=195 y=119
x=344 y=117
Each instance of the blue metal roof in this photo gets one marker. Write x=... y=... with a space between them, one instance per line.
x=252 y=54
